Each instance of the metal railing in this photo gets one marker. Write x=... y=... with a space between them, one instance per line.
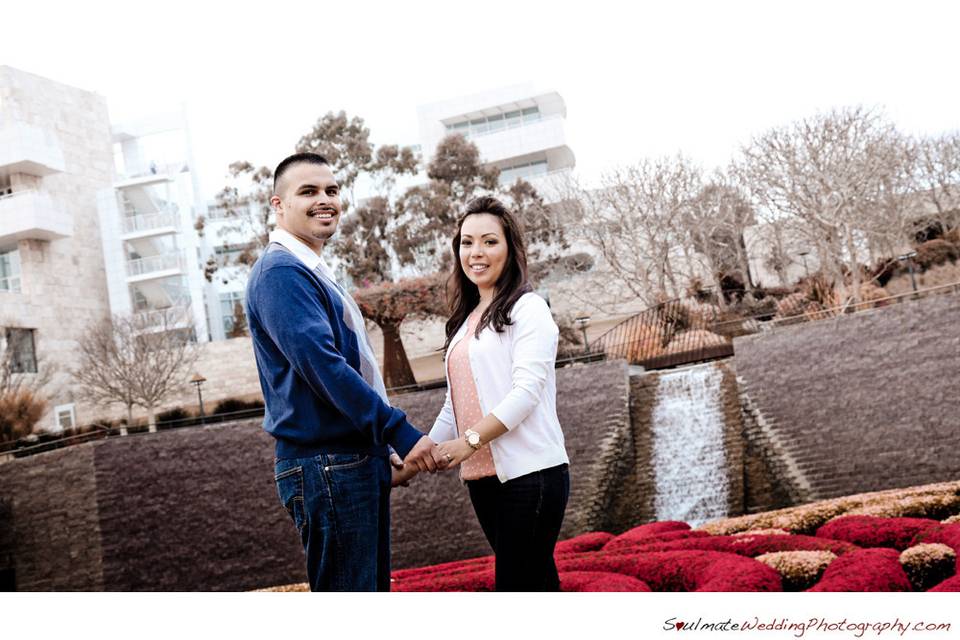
x=160 y=262
x=680 y=332
x=175 y=316
x=471 y=133
x=670 y=334
x=169 y=217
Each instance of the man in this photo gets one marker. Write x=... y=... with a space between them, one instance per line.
x=325 y=400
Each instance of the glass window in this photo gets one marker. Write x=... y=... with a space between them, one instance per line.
x=231 y=310
x=531 y=115
x=65 y=416
x=10 y=270
x=21 y=350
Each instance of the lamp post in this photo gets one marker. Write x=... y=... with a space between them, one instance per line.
x=908 y=258
x=198 y=380
x=583 y=322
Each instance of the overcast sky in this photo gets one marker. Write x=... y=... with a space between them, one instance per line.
x=654 y=79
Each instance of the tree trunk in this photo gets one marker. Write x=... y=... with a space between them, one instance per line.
x=123 y=429
x=396 y=366
x=151 y=420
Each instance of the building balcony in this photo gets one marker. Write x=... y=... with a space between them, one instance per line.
x=536 y=138
x=33 y=215
x=175 y=317
x=146 y=224
x=158 y=266
x=30 y=150
x=135 y=176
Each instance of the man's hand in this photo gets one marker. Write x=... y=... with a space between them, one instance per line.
x=401 y=477
x=397 y=476
x=422 y=455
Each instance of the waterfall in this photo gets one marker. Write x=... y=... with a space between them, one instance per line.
x=688 y=458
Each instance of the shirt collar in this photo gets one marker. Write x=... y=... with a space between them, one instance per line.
x=299 y=249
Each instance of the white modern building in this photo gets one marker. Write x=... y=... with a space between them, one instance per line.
x=151 y=251
x=517 y=129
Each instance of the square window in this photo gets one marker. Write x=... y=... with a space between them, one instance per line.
x=21 y=350
x=65 y=416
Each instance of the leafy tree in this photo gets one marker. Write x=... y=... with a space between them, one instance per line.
x=388 y=304
x=389 y=243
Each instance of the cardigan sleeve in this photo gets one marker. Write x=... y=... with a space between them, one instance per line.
x=291 y=312
x=534 y=353
x=445 y=426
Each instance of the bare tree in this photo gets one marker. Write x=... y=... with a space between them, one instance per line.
x=130 y=361
x=633 y=224
x=715 y=223
x=938 y=176
x=832 y=173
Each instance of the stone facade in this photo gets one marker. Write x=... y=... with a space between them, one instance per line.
x=63 y=287
x=864 y=402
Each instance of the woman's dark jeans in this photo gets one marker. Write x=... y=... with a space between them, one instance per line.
x=521 y=519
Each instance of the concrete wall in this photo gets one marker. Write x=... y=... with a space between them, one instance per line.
x=862 y=402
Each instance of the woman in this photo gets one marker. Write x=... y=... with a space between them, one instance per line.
x=499 y=421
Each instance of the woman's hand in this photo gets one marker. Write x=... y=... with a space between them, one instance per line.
x=455 y=451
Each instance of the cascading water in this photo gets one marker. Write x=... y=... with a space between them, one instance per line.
x=688 y=458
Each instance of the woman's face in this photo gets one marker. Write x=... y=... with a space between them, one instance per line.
x=483 y=249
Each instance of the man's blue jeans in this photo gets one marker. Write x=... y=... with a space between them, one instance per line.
x=340 y=504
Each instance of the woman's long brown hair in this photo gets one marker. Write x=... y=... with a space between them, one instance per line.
x=464 y=296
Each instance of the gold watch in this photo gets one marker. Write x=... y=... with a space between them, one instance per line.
x=472 y=438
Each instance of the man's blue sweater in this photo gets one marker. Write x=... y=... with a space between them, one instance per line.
x=309 y=364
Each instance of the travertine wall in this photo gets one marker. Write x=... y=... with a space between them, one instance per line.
x=863 y=402
x=63 y=283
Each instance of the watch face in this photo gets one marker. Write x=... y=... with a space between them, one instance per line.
x=474 y=438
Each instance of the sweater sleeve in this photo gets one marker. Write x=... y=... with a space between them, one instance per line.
x=534 y=352
x=292 y=314
x=445 y=426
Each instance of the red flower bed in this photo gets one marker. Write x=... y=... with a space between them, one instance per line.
x=476 y=580
x=751 y=545
x=873 y=531
x=627 y=543
x=669 y=556
x=682 y=570
x=950 y=584
x=447 y=568
x=599 y=581
x=585 y=542
x=865 y=570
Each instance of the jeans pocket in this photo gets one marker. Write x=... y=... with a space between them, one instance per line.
x=290 y=489
x=344 y=461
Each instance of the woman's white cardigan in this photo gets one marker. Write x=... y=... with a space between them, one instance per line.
x=516 y=382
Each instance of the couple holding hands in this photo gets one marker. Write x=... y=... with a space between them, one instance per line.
x=327 y=408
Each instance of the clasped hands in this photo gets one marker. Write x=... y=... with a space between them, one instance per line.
x=429 y=456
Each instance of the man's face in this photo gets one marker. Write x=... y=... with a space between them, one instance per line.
x=307 y=203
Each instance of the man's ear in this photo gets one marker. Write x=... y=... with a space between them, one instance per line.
x=275 y=202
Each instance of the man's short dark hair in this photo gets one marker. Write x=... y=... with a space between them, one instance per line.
x=297 y=158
